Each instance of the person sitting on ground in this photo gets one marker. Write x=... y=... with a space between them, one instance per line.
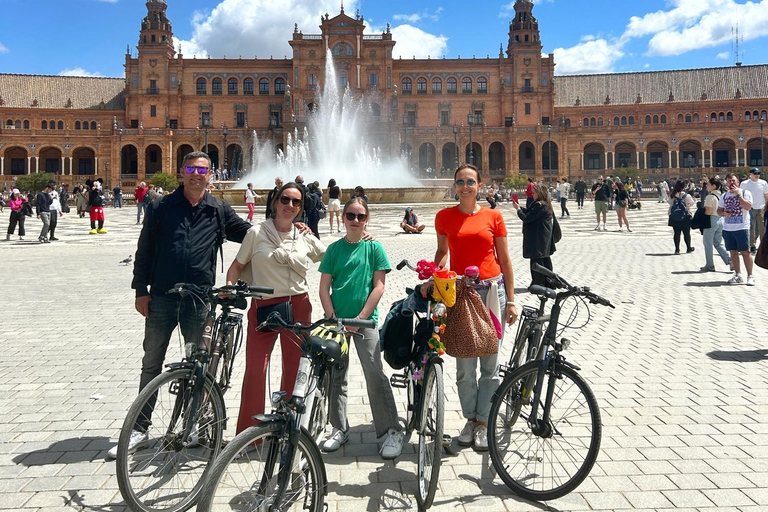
x=410 y=222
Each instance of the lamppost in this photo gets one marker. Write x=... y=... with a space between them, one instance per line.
x=224 y=131
x=455 y=146
x=762 y=142
x=205 y=130
x=120 y=150
x=471 y=123
x=549 y=147
x=569 y=169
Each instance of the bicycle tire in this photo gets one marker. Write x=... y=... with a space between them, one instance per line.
x=165 y=476
x=319 y=418
x=526 y=462
x=519 y=352
x=246 y=472
x=430 y=435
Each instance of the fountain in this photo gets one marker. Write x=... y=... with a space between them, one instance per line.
x=334 y=144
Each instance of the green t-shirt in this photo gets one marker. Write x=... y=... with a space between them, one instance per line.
x=352 y=266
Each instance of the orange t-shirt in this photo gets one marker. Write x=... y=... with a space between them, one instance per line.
x=471 y=237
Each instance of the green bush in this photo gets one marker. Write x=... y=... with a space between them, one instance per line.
x=516 y=181
x=168 y=182
x=624 y=173
x=33 y=182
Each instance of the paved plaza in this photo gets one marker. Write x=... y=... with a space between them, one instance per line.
x=679 y=368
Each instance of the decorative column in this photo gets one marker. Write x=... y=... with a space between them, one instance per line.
x=37 y=164
x=637 y=159
x=2 y=160
x=96 y=165
x=703 y=162
x=669 y=158
x=63 y=169
x=605 y=163
x=581 y=159
x=71 y=169
x=29 y=165
x=677 y=158
x=613 y=159
x=645 y=159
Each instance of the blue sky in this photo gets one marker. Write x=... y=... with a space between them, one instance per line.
x=89 y=37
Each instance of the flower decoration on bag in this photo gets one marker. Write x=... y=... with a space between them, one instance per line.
x=439 y=316
x=425 y=269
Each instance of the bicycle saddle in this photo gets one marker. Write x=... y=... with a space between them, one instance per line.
x=542 y=290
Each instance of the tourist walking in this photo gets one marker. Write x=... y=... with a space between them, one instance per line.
x=250 y=201
x=580 y=187
x=602 y=194
x=622 y=202
x=81 y=200
x=538 y=232
x=410 y=223
x=43 y=210
x=280 y=257
x=272 y=195
x=117 y=200
x=713 y=235
x=334 y=204
x=680 y=203
x=564 y=189
x=175 y=246
x=313 y=217
x=56 y=212
x=735 y=205
x=759 y=189
x=141 y=206
x=529 y=193
x=476 y=236
x=351 y=284
x=16 y=204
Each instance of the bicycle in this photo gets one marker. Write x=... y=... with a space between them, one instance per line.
x=558 y=406
x=422 y=377
x=186 y=407
x=276 y=464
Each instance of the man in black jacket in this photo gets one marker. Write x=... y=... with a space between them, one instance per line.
x=179 y=243
x=43 y=207
x=273 y=194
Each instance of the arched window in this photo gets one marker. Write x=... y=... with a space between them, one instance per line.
x=248 y=86
x=437 y=86
x=631 y=119
x=77 y=125
x=687 y=118
x=59 y=125
x=18 y=124
x=263 y=86
x=655 y=119
x=679 y=118
x=44 y=125
x=647 y=119
x=51 y=125
x=407 y=86
x=729 y=116
x=586 y=121
x=593 y=122
x=599 y=121
x=216 y=87
x=713 y=117
x=623 y=120
x=466 y=85
x=26 y=124
x=85 y=125
x=375 y=110
x=747 y=115
x=202 y=86
x=232 y=86
x=755 y=115
x=9 y=122
x=421 y=85
x=695 y=118
x=452 y=85
x=616 y=121
x=663 y=119
x=567 y=122
x=343 y=50
x=343 y=80
x=721 y=117
x=763 y=115
x=93 y=125
x=482 y=85
x=280 y=86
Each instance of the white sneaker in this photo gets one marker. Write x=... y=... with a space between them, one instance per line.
x=481 y=438
x=138 y=440
x=467 y=436
x=736 y=279
x=621 y=229
x=335 y=440
x=393 y=444
x=605 y=228
x=751 y=281
x=629 y=229
x=597 y=228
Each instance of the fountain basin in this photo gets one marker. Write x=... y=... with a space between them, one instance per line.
x=407 y=195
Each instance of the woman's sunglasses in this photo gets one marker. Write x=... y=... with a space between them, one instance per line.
x=292 y=200
x=359 y=216
x=469 y=183
x=199 y=170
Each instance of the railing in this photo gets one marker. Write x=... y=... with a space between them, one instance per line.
x=313 y=37
x=528 y=88
x=153 y=90
x=372 y=37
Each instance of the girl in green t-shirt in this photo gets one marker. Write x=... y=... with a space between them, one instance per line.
x=351 y=285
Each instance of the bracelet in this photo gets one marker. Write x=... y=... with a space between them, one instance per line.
x=511 y=304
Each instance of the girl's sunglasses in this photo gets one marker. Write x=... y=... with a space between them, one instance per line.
x=199 y=170
x=292 y=200
x=469 y=183
x=359 y=216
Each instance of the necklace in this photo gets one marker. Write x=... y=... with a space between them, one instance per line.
x=351 y=243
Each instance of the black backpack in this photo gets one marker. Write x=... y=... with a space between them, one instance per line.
x=309 y=201
x=397 y=336
x=678 y=211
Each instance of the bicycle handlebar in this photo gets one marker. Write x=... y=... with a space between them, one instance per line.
x=240 y=289
x=573 y=290
x=275 y=320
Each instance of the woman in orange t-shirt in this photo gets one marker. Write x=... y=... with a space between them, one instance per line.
x=474 y=235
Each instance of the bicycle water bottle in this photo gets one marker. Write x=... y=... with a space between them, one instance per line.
x=302 y=377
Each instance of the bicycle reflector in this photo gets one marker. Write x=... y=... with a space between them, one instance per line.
x=333 y=335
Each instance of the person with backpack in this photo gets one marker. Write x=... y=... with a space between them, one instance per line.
x=179 y=242
x=680 y=204
x=309 y=201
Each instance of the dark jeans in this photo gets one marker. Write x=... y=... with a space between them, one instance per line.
x=579 y=200
x=165 y=313
x=54 y=222
x=686 y=231
x=117 y=202
x=313 y=223
x=564 y=209
x=528 y=202
x=537 y=278
x=17 y=217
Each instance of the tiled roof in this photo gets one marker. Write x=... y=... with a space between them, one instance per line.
x=53 y=92
x=655 y=86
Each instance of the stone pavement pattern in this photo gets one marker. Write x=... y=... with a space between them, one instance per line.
x=679 y=369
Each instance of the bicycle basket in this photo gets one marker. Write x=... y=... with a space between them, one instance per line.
x=445 y=287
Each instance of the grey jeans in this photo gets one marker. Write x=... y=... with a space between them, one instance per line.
x=475 y=395
x=46 y=218
x=380 y=395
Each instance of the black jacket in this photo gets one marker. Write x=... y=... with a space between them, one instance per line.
x=43 y=203
x=179 y=243
x=271 y=197
x=538 y=241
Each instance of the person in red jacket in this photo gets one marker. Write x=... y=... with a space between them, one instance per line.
x=141 y=190
x=529 y=193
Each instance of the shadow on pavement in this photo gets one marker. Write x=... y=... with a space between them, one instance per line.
x=708 y=284
x=741 y=356
x=77 y=449
x=686 y=272
x=77 y=501
x=661 y=254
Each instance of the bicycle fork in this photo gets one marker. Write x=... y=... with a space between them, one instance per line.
x=543 y=427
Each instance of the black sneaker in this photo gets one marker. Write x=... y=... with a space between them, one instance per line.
x=53 y=239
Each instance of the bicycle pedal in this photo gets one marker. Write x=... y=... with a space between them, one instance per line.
x=503 y=369
x=398 y=380
x=447 y=440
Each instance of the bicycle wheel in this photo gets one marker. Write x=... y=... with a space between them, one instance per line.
x=319 y=418
x=519 y=352
x=545 y=465
x=164 y=475
x=430 y=435
x=246 y=476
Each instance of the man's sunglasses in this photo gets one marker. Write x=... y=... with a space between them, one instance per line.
x=469 y=183
x=199 y=170
x=292 y=200
x=359 y=216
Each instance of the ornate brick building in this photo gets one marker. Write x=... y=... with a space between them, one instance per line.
x=508 y=113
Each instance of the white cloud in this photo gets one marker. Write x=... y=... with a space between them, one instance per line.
x=4 y=49
x=78 y=72
x=589 y=56
x=418 y=17
x=723 y=55
x=412 y=41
